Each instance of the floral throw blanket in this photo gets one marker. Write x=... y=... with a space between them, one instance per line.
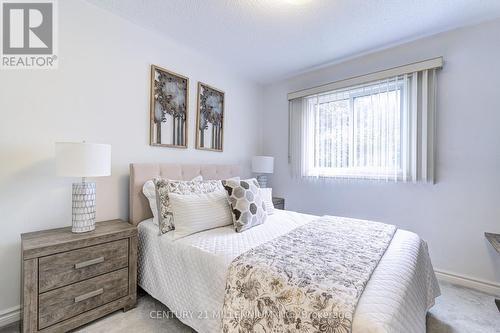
x=308 y=280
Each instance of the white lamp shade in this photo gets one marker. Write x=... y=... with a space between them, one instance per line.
x=81 y=159
x=263 y=164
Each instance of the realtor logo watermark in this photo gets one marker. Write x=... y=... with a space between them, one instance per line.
x=29 y=34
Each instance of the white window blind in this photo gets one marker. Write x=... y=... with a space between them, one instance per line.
x=381 y=130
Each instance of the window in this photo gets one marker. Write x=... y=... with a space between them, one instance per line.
x=369 y=127
x=356 y=132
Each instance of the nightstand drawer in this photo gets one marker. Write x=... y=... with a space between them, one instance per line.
x=62 y=269
x=63 y=303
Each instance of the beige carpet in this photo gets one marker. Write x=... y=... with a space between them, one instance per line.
x=457 y=310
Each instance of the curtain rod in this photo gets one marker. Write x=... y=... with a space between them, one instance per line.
x=379 y=75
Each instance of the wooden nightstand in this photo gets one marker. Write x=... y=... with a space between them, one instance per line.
x=279 y=203
x=71 y=279
x=494 y=239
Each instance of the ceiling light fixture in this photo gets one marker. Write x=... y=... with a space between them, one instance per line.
x=296 y=2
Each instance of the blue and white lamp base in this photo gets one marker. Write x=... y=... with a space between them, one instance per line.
x=262 y=180
x=83 y=207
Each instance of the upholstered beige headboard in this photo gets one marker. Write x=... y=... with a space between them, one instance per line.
x=140 y=173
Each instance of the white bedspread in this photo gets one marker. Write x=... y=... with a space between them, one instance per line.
x=189 y=275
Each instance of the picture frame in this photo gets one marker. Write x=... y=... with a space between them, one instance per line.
x=210 y=118
x=169 y=108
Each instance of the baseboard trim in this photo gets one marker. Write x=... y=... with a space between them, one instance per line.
x=468 y=282
x=9 y=316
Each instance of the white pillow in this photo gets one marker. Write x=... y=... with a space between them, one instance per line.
x=267 y=196
x=149 y=191
x=197 y=212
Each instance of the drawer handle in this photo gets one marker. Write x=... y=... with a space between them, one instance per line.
x=88 y=295
x=89 y=262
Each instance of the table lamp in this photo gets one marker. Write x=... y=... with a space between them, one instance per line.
x=81 y=159
x=262 y=165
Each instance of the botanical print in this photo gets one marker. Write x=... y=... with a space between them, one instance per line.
x=164 y=187
x=309 y=280
x=169 y=100
x=210 y=118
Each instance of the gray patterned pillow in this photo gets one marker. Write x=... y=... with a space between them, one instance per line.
x=247 y=205
x=164 y=187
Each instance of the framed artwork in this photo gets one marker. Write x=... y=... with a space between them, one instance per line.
x=210 y=118
x=168 y=108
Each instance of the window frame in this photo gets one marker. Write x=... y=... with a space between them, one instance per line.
x=352 y=172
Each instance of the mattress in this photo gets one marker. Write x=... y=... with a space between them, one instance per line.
x=189 y=275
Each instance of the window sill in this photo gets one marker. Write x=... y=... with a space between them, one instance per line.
x=356 y=174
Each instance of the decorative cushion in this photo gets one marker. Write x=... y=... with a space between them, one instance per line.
x=149 y=191
x=164 y=187
x=246 y=202
x=267 y=196
x=197 y=212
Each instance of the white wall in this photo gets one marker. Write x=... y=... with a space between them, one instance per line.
x=99 y=93
x=451 y=215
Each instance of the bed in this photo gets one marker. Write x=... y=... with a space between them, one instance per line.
x=189 y=275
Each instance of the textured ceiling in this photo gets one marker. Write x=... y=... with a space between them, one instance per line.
x=269 y=39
